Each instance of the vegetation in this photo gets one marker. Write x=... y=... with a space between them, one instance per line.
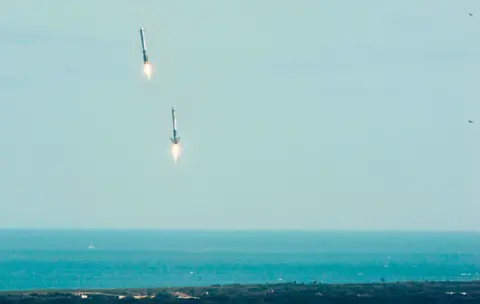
x=405 y=292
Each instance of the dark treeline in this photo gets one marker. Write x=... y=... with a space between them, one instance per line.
x=405 y=293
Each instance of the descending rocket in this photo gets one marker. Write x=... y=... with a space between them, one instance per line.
x=146 y=65
x=144 y=45
x=174 y=139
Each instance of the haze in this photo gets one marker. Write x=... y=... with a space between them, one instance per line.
x=293 y=115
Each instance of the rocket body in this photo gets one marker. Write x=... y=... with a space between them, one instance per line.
x=174 y=139
x=144 y=45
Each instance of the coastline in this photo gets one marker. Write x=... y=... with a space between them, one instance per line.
x=432 y=290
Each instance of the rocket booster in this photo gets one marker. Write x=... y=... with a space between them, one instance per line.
x=144 y=45
x=174 y=139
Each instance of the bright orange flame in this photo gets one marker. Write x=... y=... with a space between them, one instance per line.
x=175 y=152
x=147 y=69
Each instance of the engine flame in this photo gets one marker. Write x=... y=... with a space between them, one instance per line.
x=175 y=152
x=147 y=69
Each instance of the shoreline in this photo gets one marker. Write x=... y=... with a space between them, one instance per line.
x=233 y=285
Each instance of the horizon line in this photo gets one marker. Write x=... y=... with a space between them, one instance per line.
x=233 y=229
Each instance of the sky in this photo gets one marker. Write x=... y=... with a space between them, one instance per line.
x=301 y=114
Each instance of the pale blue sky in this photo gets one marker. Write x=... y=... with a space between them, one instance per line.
x=292 y=114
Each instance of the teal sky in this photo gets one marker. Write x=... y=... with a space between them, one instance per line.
x=292 y=114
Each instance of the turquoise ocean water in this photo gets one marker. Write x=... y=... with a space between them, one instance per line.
x=41 y=259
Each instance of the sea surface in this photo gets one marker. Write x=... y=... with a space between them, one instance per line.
x=49 y=259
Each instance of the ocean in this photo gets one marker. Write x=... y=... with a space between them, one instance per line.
x=50 y=259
